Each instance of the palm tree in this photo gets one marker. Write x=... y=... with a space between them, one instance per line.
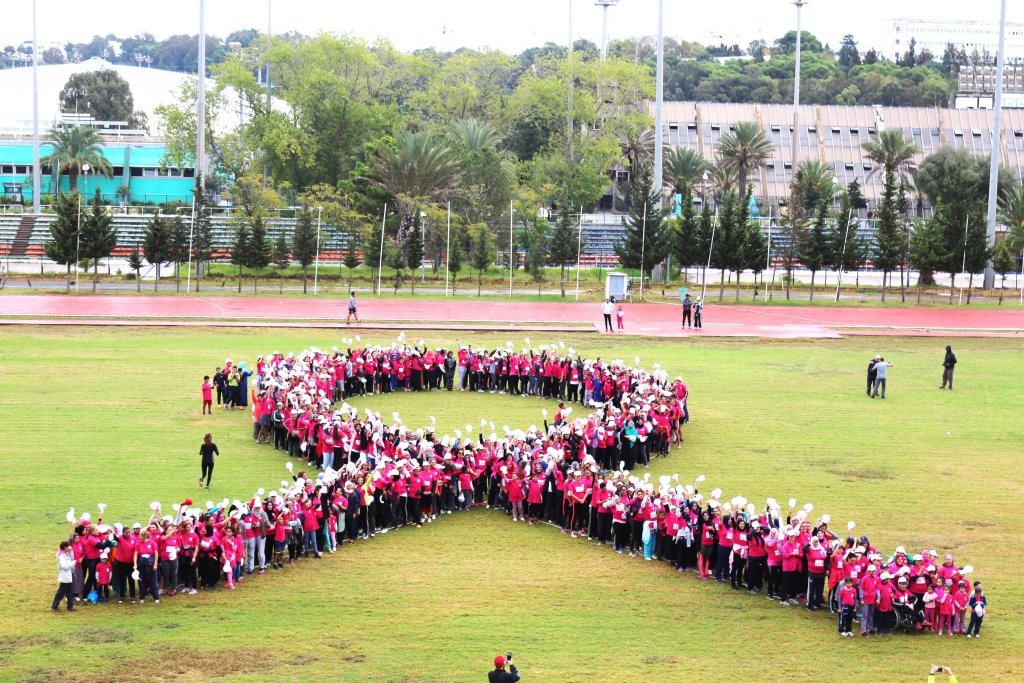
x=73 y=148
x=725 y=178
x=476 y=135
x=637 y=147
x=815 y=183
x=684 y=168
x=745 y=148
x=416 y=168
x=1011 y=214
x=892 y=152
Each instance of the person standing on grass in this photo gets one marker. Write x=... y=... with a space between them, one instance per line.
x=220 y=381
x=65 y=568
x=872 y=373
x=499 y=675
x=606 y=308
x=687 y=311
x=207 y=390
x=352 y=308
x=207 y=451
x=948 y=363
x=881 y=374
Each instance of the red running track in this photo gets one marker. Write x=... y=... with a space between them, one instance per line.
x=660 y=320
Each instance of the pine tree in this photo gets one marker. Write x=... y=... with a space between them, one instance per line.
x=177 y=247
x=456 y=257
x=482 y=255
x=281 y=257
x=646 y=239
x=927 y=249
x=98 y=236
x=63 y=248
x=202 y=229
x=156 y=244
x=565 y=242
x=685 y=241
x=413 y=251
x=755 y=251
x=728 y=238
x=240 y=249
x=351 y=258
x=1002 y=263
x=856 y=195
x=814 y=247
x=889 y=234
x=842 y=238
x=304 y=243
x=259 y=249
x=705 y=236
x=135 y=263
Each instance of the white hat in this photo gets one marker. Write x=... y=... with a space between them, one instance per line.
x=886 y=575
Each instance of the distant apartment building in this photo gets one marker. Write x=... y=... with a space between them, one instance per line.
x=934 y=35
x=976 y=86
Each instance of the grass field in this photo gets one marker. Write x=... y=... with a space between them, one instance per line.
x=105 y=415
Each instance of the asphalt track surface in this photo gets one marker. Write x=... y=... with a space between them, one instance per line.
x=655 y=320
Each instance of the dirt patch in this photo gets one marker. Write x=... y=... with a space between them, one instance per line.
x=861 y=473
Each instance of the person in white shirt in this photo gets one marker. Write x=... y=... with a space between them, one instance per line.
x=65 y=569
x=881 y=371
x=607 y=307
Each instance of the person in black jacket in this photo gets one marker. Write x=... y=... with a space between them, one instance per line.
x=499 y=675
x=221 y=384
x=872 y=372
x=947 y=368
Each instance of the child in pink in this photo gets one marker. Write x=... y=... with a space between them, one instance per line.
x=103 y=572
x=227 y=547
x=945 y=602
x=619 y=315
x=207 y=389
x=961 y=598
x=930 y=598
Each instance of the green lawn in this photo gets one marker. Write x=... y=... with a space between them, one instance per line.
x=98 y=415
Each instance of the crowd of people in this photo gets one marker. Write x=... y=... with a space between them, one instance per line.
x=354 y=475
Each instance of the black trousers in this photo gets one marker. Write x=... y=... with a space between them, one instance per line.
x=64 y=592
x=774 y=580
x=89 y=571
x=280 y=438
x=207 y=472
x=123 y=581
x=608 y=322
x=755 y=573
x=687 y=316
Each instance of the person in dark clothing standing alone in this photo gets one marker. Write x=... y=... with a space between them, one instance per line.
x=499 y=675
x=947 y=368
x=221 y=384
x=687 y=310
x=872 y=373
x=207 y=450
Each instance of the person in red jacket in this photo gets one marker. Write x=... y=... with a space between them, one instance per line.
x=869 y=599
x=516 y=497
x=883 y=608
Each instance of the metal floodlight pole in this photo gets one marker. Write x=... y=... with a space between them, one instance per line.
x=511 y=248
x=604 y=5
x=997 y=137
x=643 y=247
x=316 y=264
x=842 y=256
x=796 y=87
x=448 y=248
x=37 y=179
x=659 y=102
x=579 y=253
x=380 y=255
x=711 y=248
x=569 y=115
x=78 y=242
x=201 y=99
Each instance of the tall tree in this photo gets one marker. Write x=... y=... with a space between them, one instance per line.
x=684 y=169
x=849 y=56
x=755 y=252
x=1002 y=263
x=814 y=246
x=74 y=148
x=563 y=244
x=104 y=95
x=413 y=251
x=135 y=263
x=304 y=243
x=259 y=255
x=928 y=250
x=156 y=244
x=281 y=256
x=240 y=248
x=889 y=235
x=482 y=255
x=455 y=258
x=685 y=242
x=178 y=247
x=99 y=235
x=63 y=247
x=745 y=148
x=1011 y=214
x=727 y=252
x=646 y=239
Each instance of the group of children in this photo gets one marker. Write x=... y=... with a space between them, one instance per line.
x=375 y=476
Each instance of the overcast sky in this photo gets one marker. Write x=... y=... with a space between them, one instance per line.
x=510 y=26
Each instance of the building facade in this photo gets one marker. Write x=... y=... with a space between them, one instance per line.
x=982 y=36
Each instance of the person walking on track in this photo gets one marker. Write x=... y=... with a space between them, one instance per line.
x=352 y=308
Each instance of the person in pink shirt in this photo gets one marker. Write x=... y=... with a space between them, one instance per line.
x=946 y=607
x=847 y=604
x=103 y=572
x=515 y=497
x=961 y=600
x=883 y=609
x=869 y=599
x=207 y=390
x=148 y=564
x=930 y=600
